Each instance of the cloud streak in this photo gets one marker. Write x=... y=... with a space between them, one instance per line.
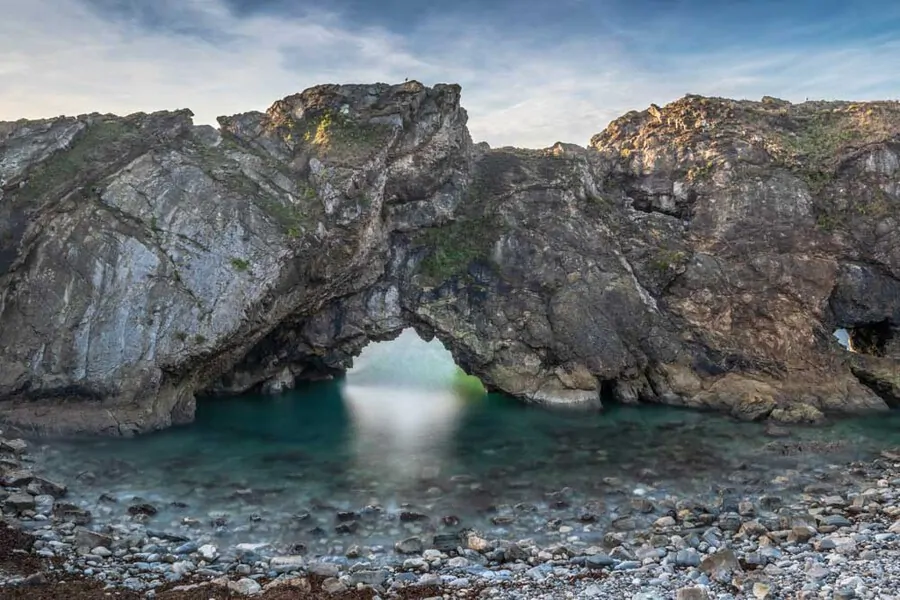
x=521 y=86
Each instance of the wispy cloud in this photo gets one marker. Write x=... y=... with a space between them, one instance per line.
x=521 y=87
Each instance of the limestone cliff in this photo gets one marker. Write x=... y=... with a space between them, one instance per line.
x=699 y=254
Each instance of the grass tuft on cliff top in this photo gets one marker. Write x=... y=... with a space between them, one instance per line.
x=99 y=145
x=339 y=136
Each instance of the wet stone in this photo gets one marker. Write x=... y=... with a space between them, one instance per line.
x=16 y=446
x=245 y=587
x=285 y=564
x=687 y=558
x=412 y=516
x=18 y=502
x=16 y=478
x=85 y=538
x=186 y=548
x=322 y=569
x=371 y=577
x=515 y=552
x=142 y=509
x=801 y=533
x=40 y=486
x=730 y=521
x=692 y=593
x=835 y=521
x=347 y=528
x=446 y=542
x=746 y=508
x=411 y=545
x=599 y=561
x=720 y=565
x=625 y=524
x=333 y=586
x=664 y=522
x=208 y=552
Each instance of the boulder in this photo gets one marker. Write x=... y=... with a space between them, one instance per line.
x=18 y=502
x=286 y=564
x=410 y=545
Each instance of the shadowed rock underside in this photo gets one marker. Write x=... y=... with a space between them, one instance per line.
x=698 y=254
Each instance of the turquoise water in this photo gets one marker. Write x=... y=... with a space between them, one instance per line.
x=278 y=469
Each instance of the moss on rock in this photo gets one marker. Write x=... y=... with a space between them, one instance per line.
x=100 y=144
x=454 y=246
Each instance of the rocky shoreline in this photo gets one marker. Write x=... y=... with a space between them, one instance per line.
x=840 y=540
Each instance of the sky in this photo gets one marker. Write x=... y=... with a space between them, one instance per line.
x=533 y=72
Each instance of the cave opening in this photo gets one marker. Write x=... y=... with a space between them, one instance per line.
x=405 y=398
x=874 y=339
x=410 y=362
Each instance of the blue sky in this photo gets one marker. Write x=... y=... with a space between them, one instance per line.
x=533 y=71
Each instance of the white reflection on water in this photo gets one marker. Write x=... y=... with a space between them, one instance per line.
x=403 y=407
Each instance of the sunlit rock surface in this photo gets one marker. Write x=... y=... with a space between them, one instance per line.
x=699 y=254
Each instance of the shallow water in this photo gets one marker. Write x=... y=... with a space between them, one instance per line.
x=265 y=463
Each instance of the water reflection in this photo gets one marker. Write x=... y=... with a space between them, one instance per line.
x=403 y=407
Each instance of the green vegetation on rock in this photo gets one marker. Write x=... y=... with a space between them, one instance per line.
x=339 y=136
x=818 y=143
x=99 y=145
x=454 y=246
x=701 y=172
x=290 y=217
x=822 y=135
x=827 y=221
x=240 y=264
x=667 y=260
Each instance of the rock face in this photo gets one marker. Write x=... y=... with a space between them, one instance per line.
x=698 y=254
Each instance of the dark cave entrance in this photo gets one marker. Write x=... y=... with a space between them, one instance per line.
x=871 y=339
x=874 y=339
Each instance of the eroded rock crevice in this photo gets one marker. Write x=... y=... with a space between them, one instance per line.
x=693 y=254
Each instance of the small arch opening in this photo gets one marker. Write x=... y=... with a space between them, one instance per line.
x=406 y=397
x=843 y=338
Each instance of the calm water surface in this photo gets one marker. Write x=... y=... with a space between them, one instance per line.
x=394 y=434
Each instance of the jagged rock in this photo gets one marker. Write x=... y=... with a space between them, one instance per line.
x=286 y=564
x=16 y=446
x=142 y=509
x=39 y=486
x=16 y=478
x=411 y=545
x=692 y=593
x=720 y=565
x=245 y=587
x=699 y=253
x=18 y=502
x=86 y=539
x=72 y=513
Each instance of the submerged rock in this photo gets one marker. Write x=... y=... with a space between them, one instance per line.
x=696 y=254
x=411 y=545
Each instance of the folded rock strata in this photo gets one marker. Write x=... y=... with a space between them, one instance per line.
x=698 y=254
